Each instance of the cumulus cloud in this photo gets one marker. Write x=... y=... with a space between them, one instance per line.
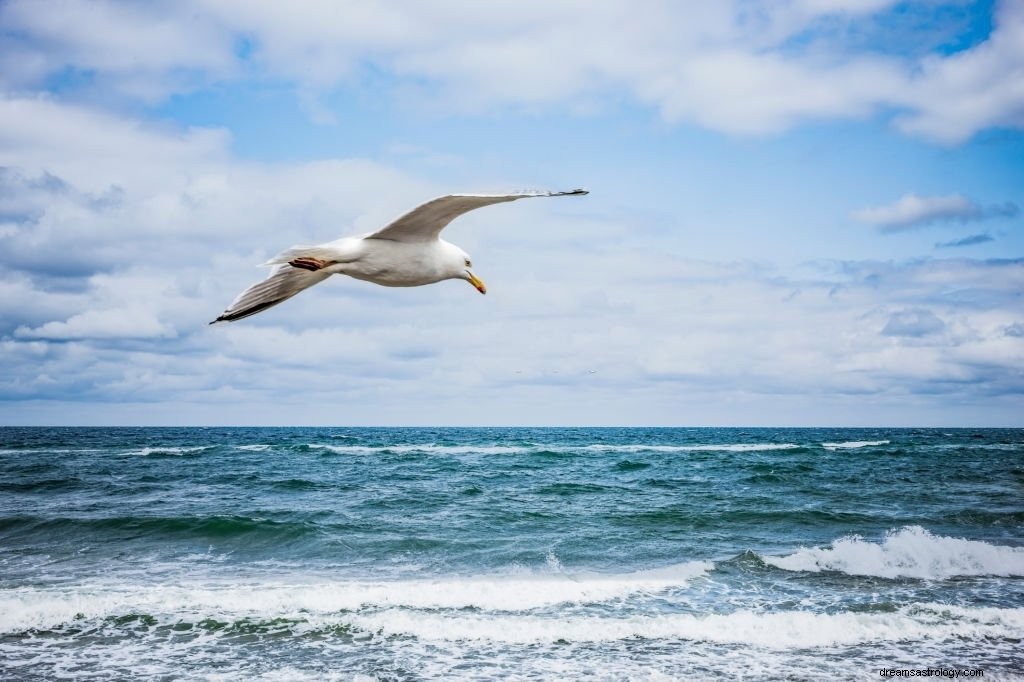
x=618 y=331
x=120 y=239
x=40 y=134
x=728 y=66
x=101 y=324
x=144 y=51
x=680 y=336
x=951 y=97
x=912 y=211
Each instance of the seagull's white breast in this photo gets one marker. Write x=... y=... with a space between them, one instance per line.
x=399 y=264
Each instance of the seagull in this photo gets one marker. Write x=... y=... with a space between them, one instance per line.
x=405 y=253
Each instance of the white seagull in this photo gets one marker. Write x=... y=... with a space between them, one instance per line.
x=406 y=253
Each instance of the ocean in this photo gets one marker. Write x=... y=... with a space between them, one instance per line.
x=510 y=554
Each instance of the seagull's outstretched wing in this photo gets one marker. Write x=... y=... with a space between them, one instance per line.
x=283 y=283
x=425 y=222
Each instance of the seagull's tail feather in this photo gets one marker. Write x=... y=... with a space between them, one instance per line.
x=283 y=283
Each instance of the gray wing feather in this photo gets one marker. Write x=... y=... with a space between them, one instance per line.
x=425 y=222
x=283 y=283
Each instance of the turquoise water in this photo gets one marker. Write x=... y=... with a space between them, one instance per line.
x=408 y=554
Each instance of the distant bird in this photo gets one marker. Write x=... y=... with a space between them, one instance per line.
x=406 y=253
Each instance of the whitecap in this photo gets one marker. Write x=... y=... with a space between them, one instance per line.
x=773 y=630
x=701 y=447
x=428 y=448
x=910 y=552
x=166 y=450
x=432 y=448
x=854 y=444
x=27 y=608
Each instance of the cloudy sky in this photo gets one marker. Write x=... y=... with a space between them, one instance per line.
x=802 y=212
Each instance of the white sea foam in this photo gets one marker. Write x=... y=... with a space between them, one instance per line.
x=854 y=444
x=1005 y=447
x=425 y=449
x=412 y=609
x=161 y=450
x=258 y=447
x=783 y=630
x=701 y=447
x=910 y=552
x=27 y=608
x=567 y=449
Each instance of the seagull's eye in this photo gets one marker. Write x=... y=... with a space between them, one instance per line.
x=468 y=263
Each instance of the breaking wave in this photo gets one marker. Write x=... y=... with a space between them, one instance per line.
x=27 y=608
x=854 y=444
x=910 y=552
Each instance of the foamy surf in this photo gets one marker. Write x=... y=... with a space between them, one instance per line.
x=167 y=450
x=854 y=444
x=775 y=630
x=424 y=449
x=28 y=608
x=910 y=552
x=698 y=447
x=436 y=449
x=381 y=613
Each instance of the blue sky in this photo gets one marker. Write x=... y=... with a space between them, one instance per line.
x=802 y=212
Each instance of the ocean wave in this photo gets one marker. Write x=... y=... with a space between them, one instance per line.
x=700 y=447
x=1006 y=447
x=433 y=646
x=854 y=444
x=24 y=609
x=775 y=630
x=910 y=552
x=420 y=449
x=168 y=451
x=482 y=611
x=433 y=448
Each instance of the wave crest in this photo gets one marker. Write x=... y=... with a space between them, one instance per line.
x=29 y=608
x=854 y=444
x=910 y=552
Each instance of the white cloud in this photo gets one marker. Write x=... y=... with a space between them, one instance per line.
x=144 y=50
x=123 y=323
x=853 y=6
x=911 y=211
x=779 y=91
x=619 y=331
x=952 y=97
x=728 y=66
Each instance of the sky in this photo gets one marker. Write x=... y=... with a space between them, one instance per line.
x=801 y=212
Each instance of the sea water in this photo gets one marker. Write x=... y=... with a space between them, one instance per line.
x=503 y=554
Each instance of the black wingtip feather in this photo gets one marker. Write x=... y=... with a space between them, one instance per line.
x=247 y=312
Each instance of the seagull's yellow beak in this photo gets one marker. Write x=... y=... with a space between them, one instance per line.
x=477 y=282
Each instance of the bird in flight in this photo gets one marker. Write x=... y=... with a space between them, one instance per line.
x=406 y=253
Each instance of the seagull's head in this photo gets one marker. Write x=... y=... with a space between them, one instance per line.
x=461 y=266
